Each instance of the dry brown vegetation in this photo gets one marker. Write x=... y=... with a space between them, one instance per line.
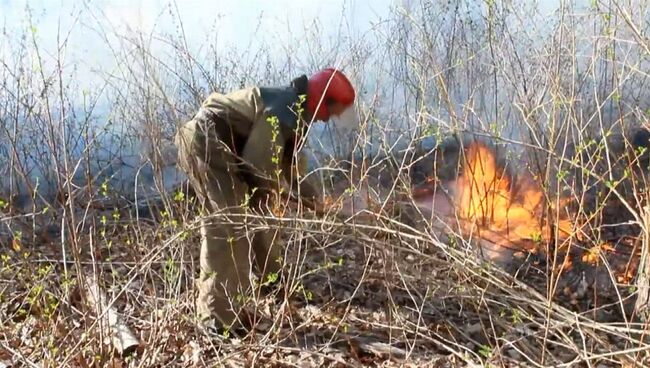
x=384 y=282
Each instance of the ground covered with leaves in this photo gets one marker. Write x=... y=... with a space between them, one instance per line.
x=370 y=291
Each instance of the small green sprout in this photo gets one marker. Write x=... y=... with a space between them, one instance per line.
x=271 y=278
x=485 y=351
x=179 y=196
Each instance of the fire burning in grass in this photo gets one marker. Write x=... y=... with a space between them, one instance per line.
x=490 y=197
x=508 y=215
x=507 y=210
x=486 y=197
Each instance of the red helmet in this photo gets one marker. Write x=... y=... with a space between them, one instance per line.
x=325 y=87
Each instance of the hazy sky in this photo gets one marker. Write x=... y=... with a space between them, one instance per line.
x=236 y=22
x=240 y=23
x=243 y=24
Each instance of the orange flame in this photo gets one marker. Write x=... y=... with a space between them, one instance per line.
x=487 y=195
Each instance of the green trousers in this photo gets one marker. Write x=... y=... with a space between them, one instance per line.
x=229 y=249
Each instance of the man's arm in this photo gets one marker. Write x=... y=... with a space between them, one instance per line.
x=310 y=192
x=270 y=163
x=263 y=154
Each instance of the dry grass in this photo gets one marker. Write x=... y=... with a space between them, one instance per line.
x=386 y=287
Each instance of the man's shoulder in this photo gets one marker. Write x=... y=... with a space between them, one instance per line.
x=243 y=104
x=242 y=94
x=283 y=103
